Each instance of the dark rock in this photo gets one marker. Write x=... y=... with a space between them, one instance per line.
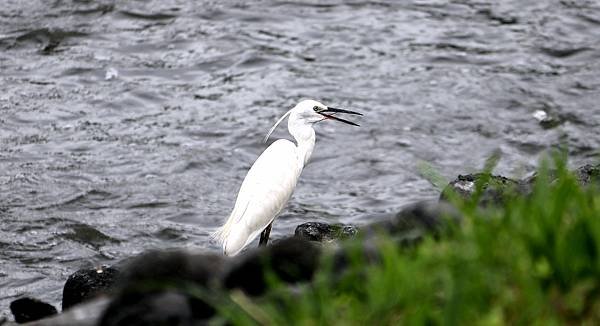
x=165 y=288
x=317 y=231
x=500 y=17
x=291 y=260
x=85 y=314
x=527 y=184
x=28 y=309
x=87 y=283
x=495 y=189
x=172 y=266
x=414 y=221
x=347 y=257
x=179 y=288
x=406 y=228
x=87 y=234
x=588 y=174
x=160 y=308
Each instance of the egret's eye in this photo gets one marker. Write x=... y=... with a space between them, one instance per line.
x=315 y=108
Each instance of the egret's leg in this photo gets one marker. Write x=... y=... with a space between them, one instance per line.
x=264 y=235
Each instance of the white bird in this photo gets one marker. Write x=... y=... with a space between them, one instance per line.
x=272 y=178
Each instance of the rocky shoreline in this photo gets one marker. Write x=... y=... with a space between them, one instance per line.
x=183 y=287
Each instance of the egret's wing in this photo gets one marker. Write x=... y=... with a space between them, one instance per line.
x=263 y=194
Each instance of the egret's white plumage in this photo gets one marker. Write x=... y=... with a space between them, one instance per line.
x=272 y=178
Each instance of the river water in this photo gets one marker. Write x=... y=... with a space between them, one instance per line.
x=129 y=125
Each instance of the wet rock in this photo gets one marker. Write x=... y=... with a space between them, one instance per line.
x=548 y=120
x=88 y=235
x=495 y=189
x=323 y=232
x=588 y=174
x=407 y=226
x=29 y=309
x=84 y=314
x=503 y=18
x=292 y=260
x=88 y=283
x=157 y=288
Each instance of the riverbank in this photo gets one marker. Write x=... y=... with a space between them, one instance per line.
x=529 y=255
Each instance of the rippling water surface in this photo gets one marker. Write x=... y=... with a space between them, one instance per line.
x=129 y=125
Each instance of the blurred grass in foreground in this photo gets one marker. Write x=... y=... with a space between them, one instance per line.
x=534 y=260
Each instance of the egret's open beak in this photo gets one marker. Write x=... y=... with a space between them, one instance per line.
x=333 y=111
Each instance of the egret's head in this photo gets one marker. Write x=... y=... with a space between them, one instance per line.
x=311 y=111
x=307 y=111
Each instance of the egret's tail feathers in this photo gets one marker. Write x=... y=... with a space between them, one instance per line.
x=231 y=237
x=236 y=242
x=217 y=235
x=220 y=235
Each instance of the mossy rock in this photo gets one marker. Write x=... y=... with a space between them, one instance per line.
x=496 y=189
x=324 y=232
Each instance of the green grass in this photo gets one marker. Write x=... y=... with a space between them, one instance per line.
x=534 y=261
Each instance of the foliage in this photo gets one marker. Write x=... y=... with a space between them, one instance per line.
x=533 y=261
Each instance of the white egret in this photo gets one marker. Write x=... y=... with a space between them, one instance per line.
x=272 y=178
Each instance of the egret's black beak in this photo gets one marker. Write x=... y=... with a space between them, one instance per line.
x=333 y=111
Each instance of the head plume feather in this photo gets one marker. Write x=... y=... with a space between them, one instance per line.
x=276 y=124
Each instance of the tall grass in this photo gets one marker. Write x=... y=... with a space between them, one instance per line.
x=534 y=260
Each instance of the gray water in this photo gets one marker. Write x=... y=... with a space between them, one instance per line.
x=129 y=125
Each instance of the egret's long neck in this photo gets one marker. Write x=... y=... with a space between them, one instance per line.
x=305 y=138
